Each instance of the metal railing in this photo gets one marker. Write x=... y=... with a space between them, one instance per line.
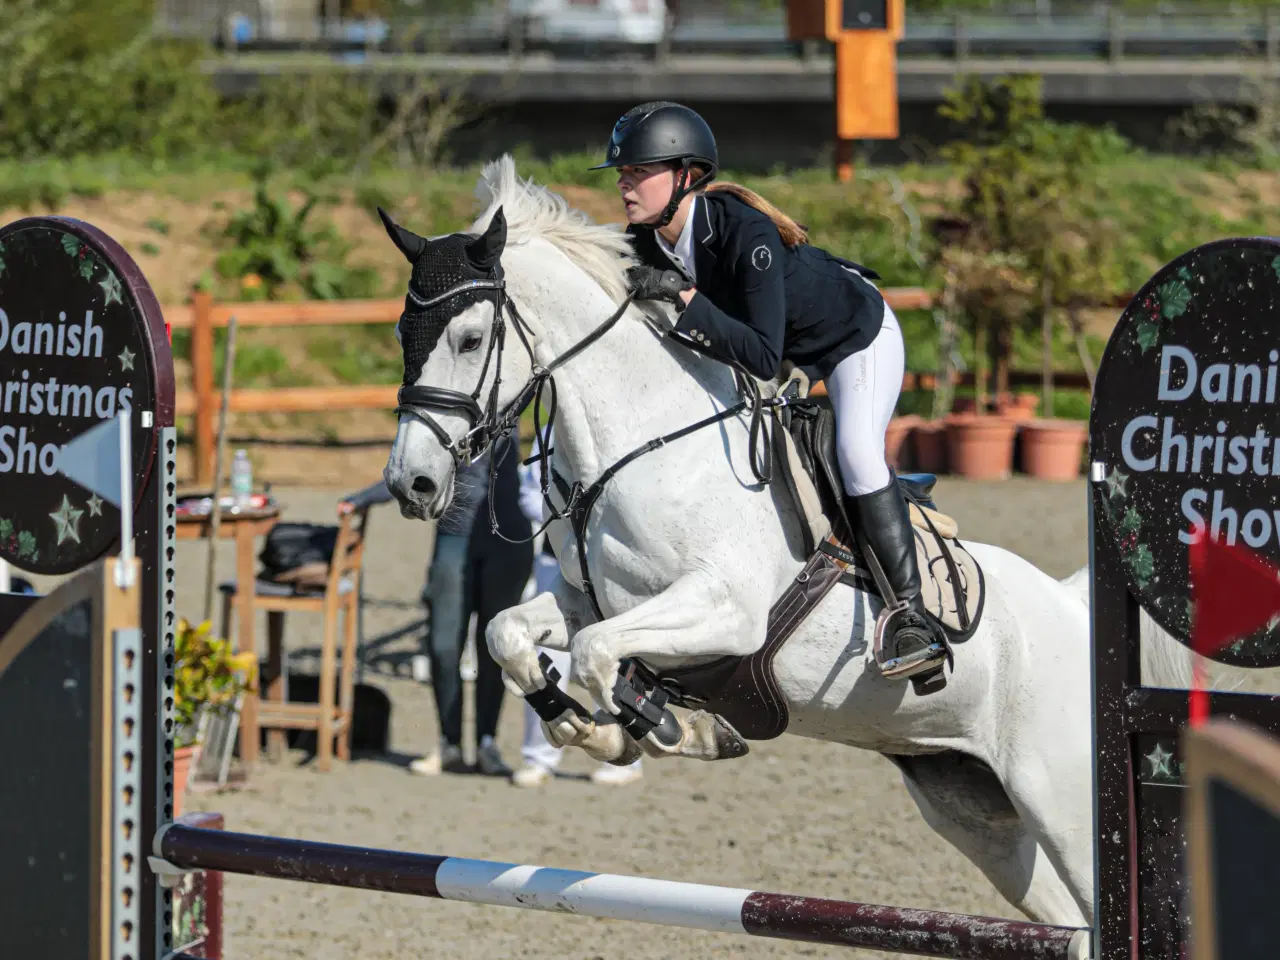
x=1047 y=29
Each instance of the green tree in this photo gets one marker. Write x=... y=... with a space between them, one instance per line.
x=88 y=76
x=1027 y=237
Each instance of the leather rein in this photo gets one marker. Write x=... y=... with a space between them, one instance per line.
x=488 y=424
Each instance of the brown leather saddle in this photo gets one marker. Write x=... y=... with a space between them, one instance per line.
x=742 y=691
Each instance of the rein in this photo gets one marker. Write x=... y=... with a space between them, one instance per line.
x=487 y=424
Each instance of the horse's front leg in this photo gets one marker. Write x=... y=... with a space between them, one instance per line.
x=699 y=615
x=550 y=620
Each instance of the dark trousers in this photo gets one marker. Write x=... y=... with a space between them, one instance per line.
x=484 y=576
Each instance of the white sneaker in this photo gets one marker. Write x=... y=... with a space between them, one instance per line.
x=490 y=761
x=616 y=776
x=532 y=775
x=448 y=758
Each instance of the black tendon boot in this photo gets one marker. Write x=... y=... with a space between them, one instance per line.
x=910 y=646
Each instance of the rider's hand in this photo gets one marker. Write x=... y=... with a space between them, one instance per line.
x=650 y=283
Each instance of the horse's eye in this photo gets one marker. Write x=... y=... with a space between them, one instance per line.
x=471 y=342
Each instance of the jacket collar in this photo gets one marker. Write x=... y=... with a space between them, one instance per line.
x=706 y=229
x=704 y=226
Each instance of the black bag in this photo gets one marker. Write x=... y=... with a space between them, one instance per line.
x=292 y=545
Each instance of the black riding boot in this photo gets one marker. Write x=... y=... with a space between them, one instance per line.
x=910 y=646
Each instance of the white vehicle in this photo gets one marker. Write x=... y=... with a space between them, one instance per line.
x=628 y=21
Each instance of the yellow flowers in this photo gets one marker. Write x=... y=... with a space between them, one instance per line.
x=207 y=674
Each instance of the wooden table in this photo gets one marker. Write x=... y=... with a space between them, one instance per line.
x=244 y=527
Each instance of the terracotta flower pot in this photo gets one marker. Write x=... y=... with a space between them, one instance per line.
x=1053 y=449
x=895 y=437
x=929 y=443
x=1020 y=408
x=182 y=759
x=981 y=447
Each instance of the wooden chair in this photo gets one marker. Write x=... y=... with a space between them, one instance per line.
x=337 y=593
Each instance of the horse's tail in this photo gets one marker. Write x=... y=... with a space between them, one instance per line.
x=1165 y=661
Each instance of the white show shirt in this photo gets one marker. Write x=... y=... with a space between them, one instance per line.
x=682 y=254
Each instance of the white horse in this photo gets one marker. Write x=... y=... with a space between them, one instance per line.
x=688 y=551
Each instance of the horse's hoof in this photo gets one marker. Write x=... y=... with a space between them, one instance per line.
x=728 y=742
x=630 y=754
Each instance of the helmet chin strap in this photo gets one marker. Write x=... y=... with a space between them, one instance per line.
x=681 y=190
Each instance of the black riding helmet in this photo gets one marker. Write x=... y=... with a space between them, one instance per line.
x=664 y=132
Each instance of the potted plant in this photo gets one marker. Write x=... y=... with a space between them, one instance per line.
x=990 y=290
x=1053 y=449
x=208 y=678
x=895 y=438
x=1024 y=239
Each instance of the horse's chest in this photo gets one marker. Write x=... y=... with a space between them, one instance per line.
x=617 y=566
x=631 y=553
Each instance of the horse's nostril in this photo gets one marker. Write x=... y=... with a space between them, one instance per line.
x=423 y=484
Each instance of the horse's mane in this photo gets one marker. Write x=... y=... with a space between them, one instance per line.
x=531 y=210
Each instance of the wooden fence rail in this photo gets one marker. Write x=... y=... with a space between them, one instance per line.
x=203 y=315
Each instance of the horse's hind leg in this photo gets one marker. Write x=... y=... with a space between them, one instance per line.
x=963 y=801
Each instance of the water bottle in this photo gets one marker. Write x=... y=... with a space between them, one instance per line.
x=241 y=479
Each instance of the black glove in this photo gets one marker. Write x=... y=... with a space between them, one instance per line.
x=650 y=283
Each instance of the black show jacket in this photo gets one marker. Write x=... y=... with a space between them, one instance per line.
x=759 y=302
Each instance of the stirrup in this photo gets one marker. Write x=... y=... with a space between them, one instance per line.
x=901 y=668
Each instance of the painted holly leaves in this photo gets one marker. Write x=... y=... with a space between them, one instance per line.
x=1136 y=554
x=1128 y=525
x=1168 y=301
x=23 y=543
x=88 y=263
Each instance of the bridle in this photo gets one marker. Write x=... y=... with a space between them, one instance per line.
x=487 y=424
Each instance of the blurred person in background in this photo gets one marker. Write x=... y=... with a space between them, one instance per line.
x=474 y=570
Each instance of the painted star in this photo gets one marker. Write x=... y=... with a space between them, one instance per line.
x=95 y=506
x=111 y=287
x=1116 y=482
x=1159 y=760
x=126 y=359
x=68 y=521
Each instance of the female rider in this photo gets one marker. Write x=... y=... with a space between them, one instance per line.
x=751 y=291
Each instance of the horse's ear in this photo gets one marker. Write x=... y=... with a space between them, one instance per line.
x=485 y=250
x=410 y=244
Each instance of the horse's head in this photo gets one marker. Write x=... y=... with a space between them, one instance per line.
x=463 y=366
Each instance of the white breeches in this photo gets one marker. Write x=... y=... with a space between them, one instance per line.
x=864 y=390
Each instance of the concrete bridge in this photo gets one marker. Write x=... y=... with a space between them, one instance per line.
x=767 y=109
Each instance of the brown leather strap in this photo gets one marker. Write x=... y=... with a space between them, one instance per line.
x=750 y=699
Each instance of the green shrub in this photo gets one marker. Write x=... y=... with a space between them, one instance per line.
x=270 y=247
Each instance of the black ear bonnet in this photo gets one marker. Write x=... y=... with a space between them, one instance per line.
x=438 y=267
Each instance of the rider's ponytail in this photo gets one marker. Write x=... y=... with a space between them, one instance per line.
x=792 y=233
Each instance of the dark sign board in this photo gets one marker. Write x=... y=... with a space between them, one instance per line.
x=1186 y=425
x=79 y=328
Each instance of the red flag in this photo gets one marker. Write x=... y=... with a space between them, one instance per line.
x=1236 y=593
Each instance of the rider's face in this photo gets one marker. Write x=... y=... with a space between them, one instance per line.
x=645 y=190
